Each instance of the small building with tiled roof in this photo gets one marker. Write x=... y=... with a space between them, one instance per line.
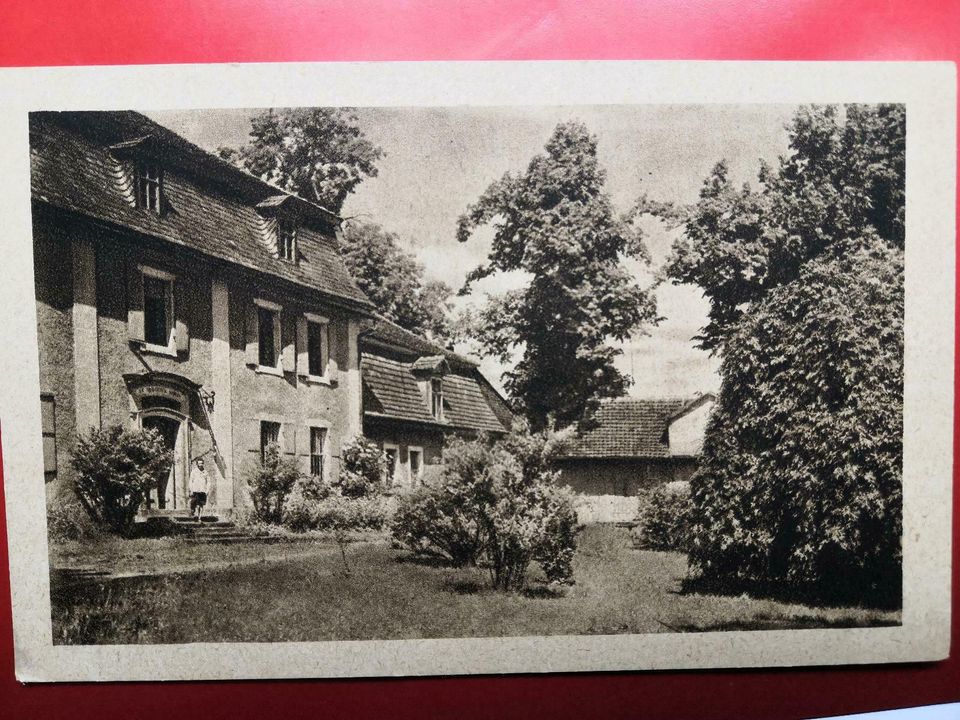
x=416 y=393
x=633 y=444
x=177 y=292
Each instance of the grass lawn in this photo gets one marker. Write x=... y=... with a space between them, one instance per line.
x=389 y=594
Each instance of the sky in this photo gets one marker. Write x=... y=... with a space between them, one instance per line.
x=439 y=160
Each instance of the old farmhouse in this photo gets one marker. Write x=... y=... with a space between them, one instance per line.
x=416 y=393
x=635 y=444
x=177 y=292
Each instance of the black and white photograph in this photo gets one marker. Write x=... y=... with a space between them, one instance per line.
x=314 y=373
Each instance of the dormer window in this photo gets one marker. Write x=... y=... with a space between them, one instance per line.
x=436 y=398
x=286 y=240
x=149 y=181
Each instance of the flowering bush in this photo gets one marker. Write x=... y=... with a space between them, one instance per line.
x=363 y=468
x=116 y=468
x=440 y=518
x=495 y=501
x=663 y=520
x=333 y=511
x=270 y=481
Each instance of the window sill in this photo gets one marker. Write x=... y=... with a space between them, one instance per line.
x=317 y=379
x=152 y=349
x=267 y=370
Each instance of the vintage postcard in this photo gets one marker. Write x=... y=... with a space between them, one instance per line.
x=409 y=369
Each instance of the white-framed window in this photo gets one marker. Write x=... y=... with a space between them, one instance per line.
x=269 y=335
x=415 y=461
x=158 y=309
x=269 y=433
x=148 y=185
x=318 y=451
x=436 y=398
x=286 y=240
x=393 y=463
x=48 y=421
x=318 y=345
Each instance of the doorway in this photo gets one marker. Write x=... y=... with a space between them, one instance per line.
x=171 y=491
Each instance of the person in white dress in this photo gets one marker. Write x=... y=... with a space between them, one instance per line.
x=199 y=486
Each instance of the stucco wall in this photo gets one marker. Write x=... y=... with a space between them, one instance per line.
x=54 y=294
x=608 y=489
x=686 y=433
x=295 y=403
x=117 y=356
x=405 y=437
x=621 y=477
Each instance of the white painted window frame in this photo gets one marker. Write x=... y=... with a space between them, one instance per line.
x=324 y=452
x=324 y=322
x=170 y=349
x=414 y=481
x=276 y=309
x=287 y=226
x=395 y=476
x=152 y=196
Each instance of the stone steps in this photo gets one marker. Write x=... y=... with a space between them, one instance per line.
x=211 y=530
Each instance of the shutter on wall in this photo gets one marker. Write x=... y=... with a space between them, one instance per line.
x=288 y=357
x=252 y=349
x=328 y=367
x=135 y=303
x=290 y=439
x=303 y=361
x=182 y=331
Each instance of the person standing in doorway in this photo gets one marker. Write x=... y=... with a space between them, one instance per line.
x=199 y=486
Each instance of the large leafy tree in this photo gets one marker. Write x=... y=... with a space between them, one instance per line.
x=394 y=281
x=556 y=223
x=800 y=478
x=320 y=154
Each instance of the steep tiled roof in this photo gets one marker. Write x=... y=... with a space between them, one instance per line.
x=628 y=428
x=209 y=205
x=380 y=331
x=390 y=390
x=389 y=356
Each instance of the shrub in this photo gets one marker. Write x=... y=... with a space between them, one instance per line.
x=363 y=468
x=497 y=501
x=115 y=469
x=333 y=512
x=270 y=481
x=663 y=520
x=800 y=480
x=559 y=542
x=69 y=521
x=439 y=518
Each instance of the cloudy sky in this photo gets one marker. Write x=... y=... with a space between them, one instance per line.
x=439 y=160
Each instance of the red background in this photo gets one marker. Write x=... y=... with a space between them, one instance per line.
x=91 y=32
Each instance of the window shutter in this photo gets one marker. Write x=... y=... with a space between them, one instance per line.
x=303 y=361
x=288 y=356
x=182 y=330
x=289 y=441
x=253 y=348
x=325 y=350
x=135 y=303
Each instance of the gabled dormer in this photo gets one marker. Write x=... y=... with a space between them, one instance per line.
x=281 y=226
x=140 y=164
x=429 y=372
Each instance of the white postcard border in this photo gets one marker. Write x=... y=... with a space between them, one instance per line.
x=929 y=91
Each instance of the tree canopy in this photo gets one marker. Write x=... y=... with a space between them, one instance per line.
x=394 y=281
x=842 y=175
x=320 y=154
x=800 y=478
x=556 y=223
